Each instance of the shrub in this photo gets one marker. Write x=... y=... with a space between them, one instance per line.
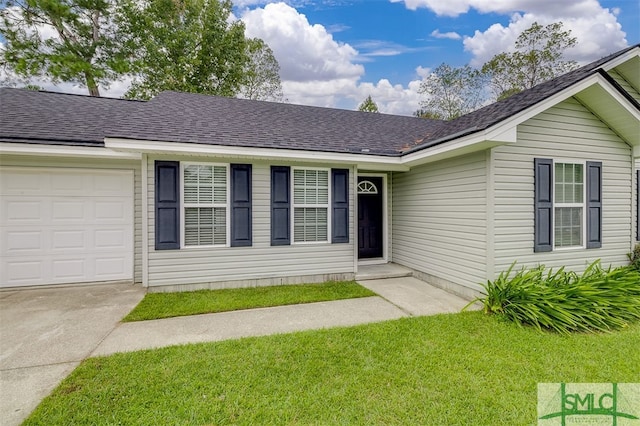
x=598 y=300
x=634 y=257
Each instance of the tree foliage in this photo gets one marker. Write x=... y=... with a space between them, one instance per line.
x=72 y=41
x=368 y=105
x=184 y=45
x=451 y=92
x=262 y=73
x=423 y=113
x=538 y=57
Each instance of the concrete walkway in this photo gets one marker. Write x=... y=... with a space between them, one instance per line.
x=45 y=333
x=133 y=336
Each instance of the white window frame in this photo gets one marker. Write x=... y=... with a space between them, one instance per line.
x=294 y=205
x=582 y=205
x=184 y=206
x=362 y=190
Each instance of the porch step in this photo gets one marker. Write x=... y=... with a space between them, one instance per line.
x=379 y=272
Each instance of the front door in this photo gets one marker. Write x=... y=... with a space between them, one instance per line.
x=370 y=217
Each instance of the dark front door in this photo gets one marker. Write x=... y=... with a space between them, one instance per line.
x=370 y=218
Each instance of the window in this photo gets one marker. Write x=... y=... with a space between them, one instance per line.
x=310 y=205
x=204 y=204
x=569 y=205
x=367 y=187
x=305 y=204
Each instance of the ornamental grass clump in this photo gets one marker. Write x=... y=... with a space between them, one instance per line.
x=598 y=300
x=634 y=258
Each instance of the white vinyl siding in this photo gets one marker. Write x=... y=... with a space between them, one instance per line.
x=204 y=200
x=310 y=205
x=439 y=219
x=635 y=200
x=205 y=265
x=83 y=163
x=569 y=131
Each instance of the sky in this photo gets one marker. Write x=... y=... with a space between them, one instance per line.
x=335 y=53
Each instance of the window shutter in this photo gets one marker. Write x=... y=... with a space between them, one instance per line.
x=241 y=205
x=280 y=206
x=594 y=204
x=340 y=205
x=638 y=205
x=543 y=205
x=167 y=209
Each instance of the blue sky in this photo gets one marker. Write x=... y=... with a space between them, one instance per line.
x=336 y=52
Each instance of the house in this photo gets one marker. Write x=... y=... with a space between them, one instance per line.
x=189 y=191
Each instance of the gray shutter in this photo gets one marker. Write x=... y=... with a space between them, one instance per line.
x=340 y=206
x=167 y=211
x=280 y=205
x=594 y=204
x=638 y=205
x=241 y=205
x=543 y=204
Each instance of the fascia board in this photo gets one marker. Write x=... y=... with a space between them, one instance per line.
x=621 y=59
x=374 y=162
x=65 y=151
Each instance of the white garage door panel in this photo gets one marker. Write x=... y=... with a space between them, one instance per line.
x=22 y=241
x=65 y=226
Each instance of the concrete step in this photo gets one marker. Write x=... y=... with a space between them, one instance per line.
x=383 y=271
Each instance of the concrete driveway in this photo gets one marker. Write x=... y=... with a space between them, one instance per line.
x=45 y=333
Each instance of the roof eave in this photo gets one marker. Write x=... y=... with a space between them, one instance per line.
x=57 y=150
x=364 y=161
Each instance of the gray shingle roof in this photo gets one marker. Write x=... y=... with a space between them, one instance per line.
x=29 y=116
x=184 y=117
x=55 y=118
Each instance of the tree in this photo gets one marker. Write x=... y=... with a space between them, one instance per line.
x=451 y=91
x=423 y=113
x=262 y=73
x=185 y=45
x=538 y=57
x=63 y=41
x=368 y=105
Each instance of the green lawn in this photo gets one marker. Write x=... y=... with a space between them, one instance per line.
x=458 y=369
x=166 y=305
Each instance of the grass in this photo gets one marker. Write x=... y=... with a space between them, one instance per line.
x=166 y=305
x=466 y=368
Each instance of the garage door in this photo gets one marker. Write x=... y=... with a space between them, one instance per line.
x=60 y=226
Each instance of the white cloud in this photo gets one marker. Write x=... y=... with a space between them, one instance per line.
x=391 y=98
x=595 y=27
x=317 y=70
x=597 y=35
x=423 y=72
x=348 y=94
x=305 y=52
x=552 y=7
x=370 y=48
x=450 y=35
